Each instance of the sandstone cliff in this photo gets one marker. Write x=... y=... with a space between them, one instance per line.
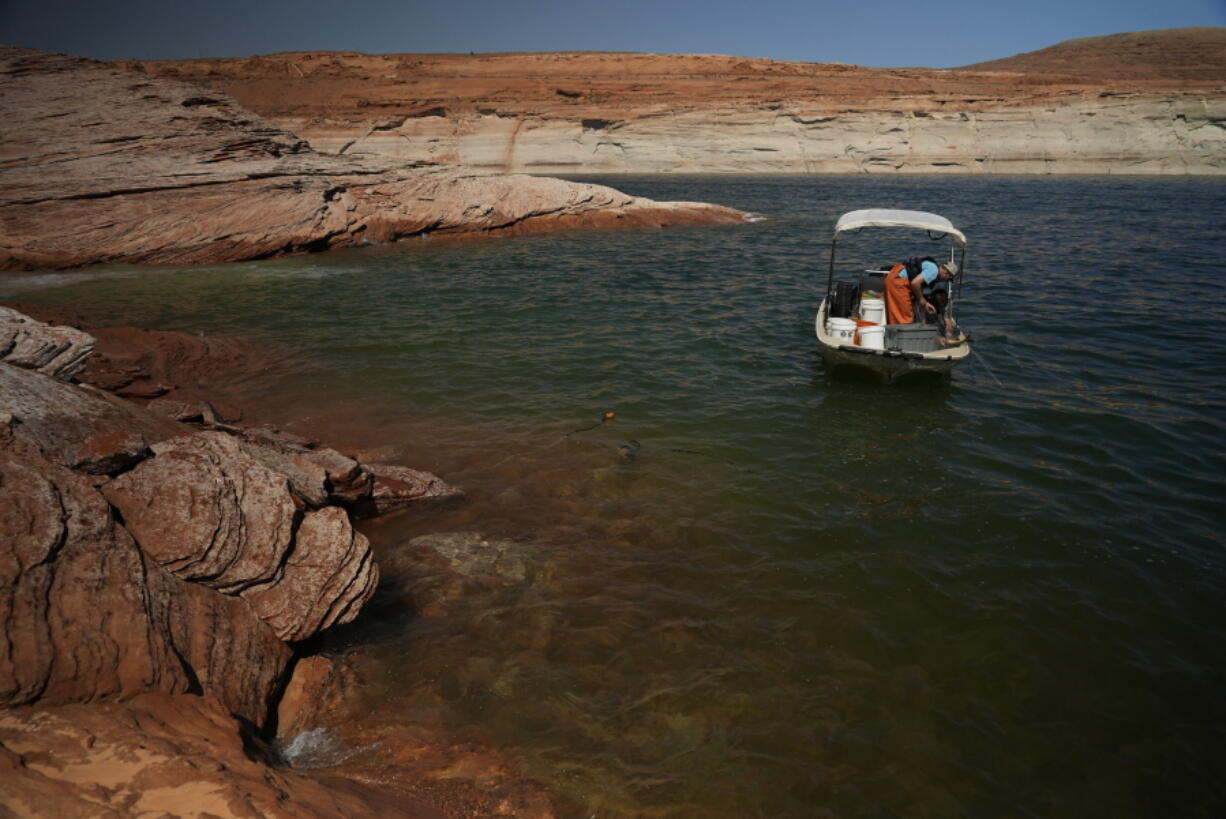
x=1153 y=102
x=100 y=163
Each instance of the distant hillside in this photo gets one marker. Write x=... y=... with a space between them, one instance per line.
x=1185 y=54
x=1151 y=102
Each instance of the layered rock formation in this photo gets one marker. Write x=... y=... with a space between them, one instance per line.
x=166 y=571
x=88 y=615
x=59 y=352
x=101 y=163
x=1153 y=102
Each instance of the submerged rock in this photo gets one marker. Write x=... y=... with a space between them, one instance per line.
x=474 y=556
x=398 y=487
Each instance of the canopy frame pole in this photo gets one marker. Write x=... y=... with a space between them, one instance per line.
x=830 y=279
x=955 y=292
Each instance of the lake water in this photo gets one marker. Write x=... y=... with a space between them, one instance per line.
x=793 y=595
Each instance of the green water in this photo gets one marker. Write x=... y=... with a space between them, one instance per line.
x=802 y=596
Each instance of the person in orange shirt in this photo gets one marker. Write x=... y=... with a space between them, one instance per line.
x=904 y=287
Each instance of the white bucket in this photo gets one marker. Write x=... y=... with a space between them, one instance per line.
x=872 y=338
x=872 y=310
x=843 y=330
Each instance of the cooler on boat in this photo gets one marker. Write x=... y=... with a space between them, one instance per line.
x=912 y=338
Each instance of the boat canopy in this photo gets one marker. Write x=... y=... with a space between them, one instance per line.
x=881 y=217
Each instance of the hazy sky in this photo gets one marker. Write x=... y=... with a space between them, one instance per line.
x=884 y=33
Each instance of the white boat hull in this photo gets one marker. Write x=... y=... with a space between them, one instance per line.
x=889 y=364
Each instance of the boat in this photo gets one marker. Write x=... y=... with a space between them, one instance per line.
x=891 y=351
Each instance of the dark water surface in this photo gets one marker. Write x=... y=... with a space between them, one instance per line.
x=804 y=596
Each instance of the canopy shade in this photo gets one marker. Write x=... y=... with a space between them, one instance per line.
x=880 y=217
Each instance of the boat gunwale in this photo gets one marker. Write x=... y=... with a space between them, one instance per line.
x=891 y=364
x=940 y=360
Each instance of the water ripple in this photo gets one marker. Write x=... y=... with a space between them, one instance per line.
x=759 y=591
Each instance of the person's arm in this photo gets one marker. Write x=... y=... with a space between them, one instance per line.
x=917 y=290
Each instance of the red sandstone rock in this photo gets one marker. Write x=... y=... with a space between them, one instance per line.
x=280 y=438
x=1143 y=102
x=110 y=452
x=86 y=616
x=75 y=427
x=59 y=352
x=196 y=365
x=175 y=409
x=397 y=487
x=317 y=475
x=207 y=512
x=608 y=89
x=1171 y=58
x=327 y=577
x=308 y=480
x=198 y=506
x=349 y=481
x=165 y=756
x=304 y=695
x=146 y=170
x=143 y=388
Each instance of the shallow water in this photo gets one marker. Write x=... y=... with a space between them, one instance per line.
x=794 y=595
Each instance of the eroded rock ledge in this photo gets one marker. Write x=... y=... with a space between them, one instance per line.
x=155 y=578
x=102 y=164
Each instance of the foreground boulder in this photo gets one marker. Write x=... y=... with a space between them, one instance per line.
x=206 y=512
x=140 y=554
x=106 y=164
x=86 y=615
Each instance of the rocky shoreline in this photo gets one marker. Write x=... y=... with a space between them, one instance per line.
x=164 y=569
x=107 y=164
x=166 y=564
